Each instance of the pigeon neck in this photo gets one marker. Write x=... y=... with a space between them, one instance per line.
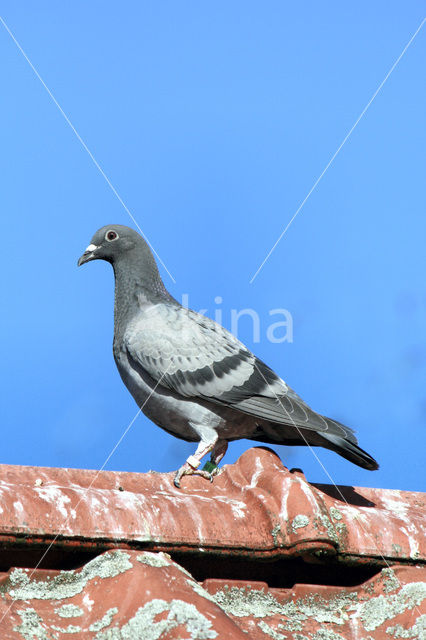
x=137 y=286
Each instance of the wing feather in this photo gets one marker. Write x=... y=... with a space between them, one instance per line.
x=197 y=358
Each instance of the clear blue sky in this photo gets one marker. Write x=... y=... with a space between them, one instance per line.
x=213 y=121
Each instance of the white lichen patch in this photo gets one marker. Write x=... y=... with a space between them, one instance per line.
x=105 y=621
x=69 y=611
x=154 y=559
x=269 y=631
x=199 y=590
x=178 y=566
x=335 y=514
x=417 y=631
x=241 y=602
x=276 y=531
x=71 y=628
x=327 y=634
x=376 y=611
x=68 y=583
x=32 y=626
x=390 y=581
x=328 y=526
x=299 y=522
x=145 y=625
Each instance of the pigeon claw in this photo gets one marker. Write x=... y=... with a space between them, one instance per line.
x=187 y=470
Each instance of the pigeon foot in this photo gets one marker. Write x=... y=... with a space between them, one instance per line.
x=187 y=470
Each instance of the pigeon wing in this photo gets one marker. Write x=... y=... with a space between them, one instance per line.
x=198 y=358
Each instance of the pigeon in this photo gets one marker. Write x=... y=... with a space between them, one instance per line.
x=192 y=377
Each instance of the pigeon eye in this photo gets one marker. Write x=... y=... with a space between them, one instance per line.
x=111 y=235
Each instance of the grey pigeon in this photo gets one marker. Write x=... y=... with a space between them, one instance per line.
x=192 y=377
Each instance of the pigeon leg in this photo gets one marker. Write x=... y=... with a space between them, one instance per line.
x=219 y=451
x=190 y=468
x=216 y=456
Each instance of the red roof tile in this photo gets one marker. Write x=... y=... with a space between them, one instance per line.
x=279 y=556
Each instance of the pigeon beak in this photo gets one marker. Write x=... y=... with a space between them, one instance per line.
x=87 y=255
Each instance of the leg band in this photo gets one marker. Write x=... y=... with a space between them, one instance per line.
x=193 y=462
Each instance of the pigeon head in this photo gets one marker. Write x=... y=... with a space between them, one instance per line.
x=129 y=255
x=114 y=242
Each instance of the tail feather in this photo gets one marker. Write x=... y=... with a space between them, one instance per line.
x=350 y=451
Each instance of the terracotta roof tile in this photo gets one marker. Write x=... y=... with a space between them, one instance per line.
x=270 y=555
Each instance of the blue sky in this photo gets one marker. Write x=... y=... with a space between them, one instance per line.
x=213 y=121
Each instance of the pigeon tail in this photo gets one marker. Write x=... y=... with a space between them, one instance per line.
x=350 y=451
